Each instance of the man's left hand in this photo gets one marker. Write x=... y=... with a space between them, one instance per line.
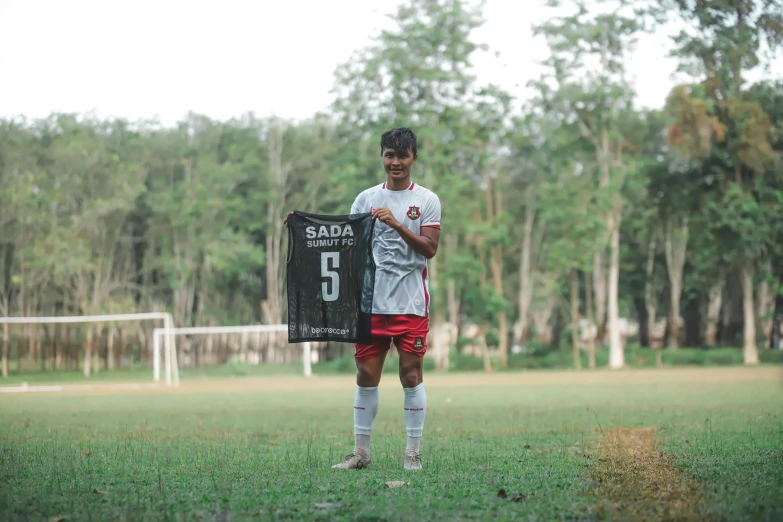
x=385 y=216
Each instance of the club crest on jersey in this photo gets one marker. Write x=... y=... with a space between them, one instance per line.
x=414 y=213
x=418 y=344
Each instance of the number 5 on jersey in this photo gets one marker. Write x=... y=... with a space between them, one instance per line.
x=330 y=292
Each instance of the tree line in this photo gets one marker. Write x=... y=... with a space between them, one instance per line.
x=573 y=219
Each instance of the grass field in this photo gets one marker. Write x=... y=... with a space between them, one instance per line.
x=696 y=444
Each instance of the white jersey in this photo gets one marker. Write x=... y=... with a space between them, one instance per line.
x=401 y=280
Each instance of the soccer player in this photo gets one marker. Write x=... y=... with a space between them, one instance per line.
x=407 y=232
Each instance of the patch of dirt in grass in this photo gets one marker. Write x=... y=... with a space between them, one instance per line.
x=636 y=481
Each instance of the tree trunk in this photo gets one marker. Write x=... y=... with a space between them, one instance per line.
x=616 y=355
x=525 y=282
x=541 y=318
x=58 y=351
x=766 y=305
x=714 y=301
x=68 y=356
x=674 y=316
x=590 y=321
x=485 y=353
x=4 y=308
x=44 y=345
x=19 y=350
x=749 y=350
x=452 y=302
x=575 y=319
x=32 y=344
x=96 y=352
x=503 y=338
x=497 y=277
x=88 y=352
x=5 y=349
x=272 y=306
x=494 y=202
x=676 y=245
x=453 y=307
x=649 y=299
x=437 y=338
x=121 y=339
x=96 y=358
x=599 y=289
x=110 y=349
x=55 y=345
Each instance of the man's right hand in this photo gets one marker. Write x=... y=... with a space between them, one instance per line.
x=285 y=221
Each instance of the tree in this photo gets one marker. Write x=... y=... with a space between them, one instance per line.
x=729 y=133
x=587 y=85
x=769 y=95
x=18 y=151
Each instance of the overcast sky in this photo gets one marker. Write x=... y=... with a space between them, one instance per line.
x=162 y=58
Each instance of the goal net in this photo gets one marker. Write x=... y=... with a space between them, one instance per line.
x=126 y=341
x=265 y=345
x=99 y=336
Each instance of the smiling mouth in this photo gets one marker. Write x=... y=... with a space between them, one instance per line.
x=396 y=171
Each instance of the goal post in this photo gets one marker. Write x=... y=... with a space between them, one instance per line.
x=168 y=324
x=173 y=370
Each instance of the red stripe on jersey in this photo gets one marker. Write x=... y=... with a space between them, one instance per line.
x=426 y=294
x=411 y=187
x=431 y=226
x=384 y=185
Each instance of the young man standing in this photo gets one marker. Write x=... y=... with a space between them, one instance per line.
x=407 y=233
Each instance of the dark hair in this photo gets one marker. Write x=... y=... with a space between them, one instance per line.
x=403 y=140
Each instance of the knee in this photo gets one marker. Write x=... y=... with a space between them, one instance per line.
x=367 y=378
x=410 y=375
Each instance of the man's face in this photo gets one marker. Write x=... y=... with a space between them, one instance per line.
x=398 y=164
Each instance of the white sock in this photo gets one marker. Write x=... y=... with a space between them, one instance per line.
x=365 y=407
x=415 y=411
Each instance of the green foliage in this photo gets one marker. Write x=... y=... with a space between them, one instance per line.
x=546 y=358
x=727 y=132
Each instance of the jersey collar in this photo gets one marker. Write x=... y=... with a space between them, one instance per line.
x=410 y=187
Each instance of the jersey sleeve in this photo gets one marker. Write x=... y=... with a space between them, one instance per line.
x=430 y=216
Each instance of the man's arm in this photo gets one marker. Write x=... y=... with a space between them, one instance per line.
x=425 y=244
x=356 y=206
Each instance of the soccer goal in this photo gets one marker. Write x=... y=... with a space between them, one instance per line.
x=170 y=351
x=218 y=345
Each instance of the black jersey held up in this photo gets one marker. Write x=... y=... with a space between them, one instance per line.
x=331 y=278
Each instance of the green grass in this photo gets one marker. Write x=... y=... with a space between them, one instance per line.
x=266 y=455
x=736 y=452
x=144 y=374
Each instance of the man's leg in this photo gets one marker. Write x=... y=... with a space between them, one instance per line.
x=369 y=366
x=415 y=406
x=365 y=404
x=412 y=345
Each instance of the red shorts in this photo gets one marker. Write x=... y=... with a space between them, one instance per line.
x=408 y=332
